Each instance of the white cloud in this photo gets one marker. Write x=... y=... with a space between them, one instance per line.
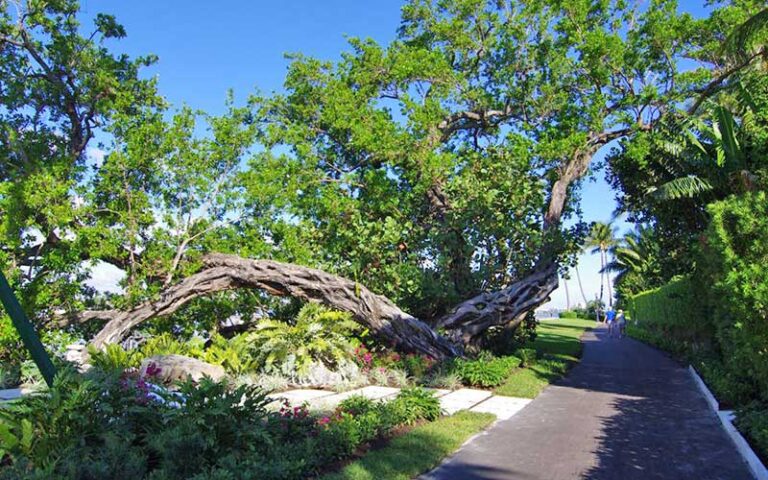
x=95 y=155
x=106 y=278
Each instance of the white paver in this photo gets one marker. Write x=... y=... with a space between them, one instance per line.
x=297 y=397
x=329 y=400
x=439 y=392
x=374 y=393
x=463 y=399
x=502 y=407
x=450 y=401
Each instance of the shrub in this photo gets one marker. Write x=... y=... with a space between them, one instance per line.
x=413 y=404
x=317 y=335
x=736 y=254
x=675 y=310
x=486 y=371
x=752 y=420
x=356 y=405
x=502 y=340
x=120 y=425
x=445 y=379
x=527 y=356
x=114 y=358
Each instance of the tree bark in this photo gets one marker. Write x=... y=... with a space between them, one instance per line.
x=470 y=319
x=581 y=287
x=226 y=272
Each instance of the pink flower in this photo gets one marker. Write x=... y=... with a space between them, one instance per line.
x=324 y=421
x=367 y=358
x=152 y=370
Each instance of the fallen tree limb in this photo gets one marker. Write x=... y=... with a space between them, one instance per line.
x=227 y=272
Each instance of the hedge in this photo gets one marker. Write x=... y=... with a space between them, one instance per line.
x=678 y=309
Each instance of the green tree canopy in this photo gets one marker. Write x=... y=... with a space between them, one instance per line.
x=438 y=170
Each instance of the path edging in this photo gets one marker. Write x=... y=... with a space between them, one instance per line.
x=726 y=419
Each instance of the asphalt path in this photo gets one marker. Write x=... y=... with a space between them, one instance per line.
x=625 y=412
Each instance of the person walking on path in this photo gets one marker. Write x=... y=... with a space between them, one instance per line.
x=621 y=323
x=610 y=316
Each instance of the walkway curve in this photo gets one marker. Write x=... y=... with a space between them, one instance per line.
x=626 y=412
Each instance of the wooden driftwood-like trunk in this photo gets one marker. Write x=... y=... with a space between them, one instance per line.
x=227 y=272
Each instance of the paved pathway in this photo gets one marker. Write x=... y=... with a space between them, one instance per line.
x=450 y=401
x=625 y=412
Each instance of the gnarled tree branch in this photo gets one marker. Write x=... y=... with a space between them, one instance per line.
x=227 y=272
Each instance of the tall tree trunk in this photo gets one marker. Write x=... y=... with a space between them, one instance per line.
x=567 y=294
x=581 y=287
x=608 y=282
x=602 y=276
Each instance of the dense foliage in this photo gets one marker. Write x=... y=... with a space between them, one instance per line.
x=675 y=310
x=431 y=169
x=122 y=426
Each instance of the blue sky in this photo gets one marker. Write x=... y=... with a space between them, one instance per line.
x=206 y=48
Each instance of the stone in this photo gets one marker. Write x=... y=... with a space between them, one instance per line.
x=462 y=399
x=178 y=367
x=502 y=407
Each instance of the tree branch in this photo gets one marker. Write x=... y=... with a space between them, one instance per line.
x=227 y=272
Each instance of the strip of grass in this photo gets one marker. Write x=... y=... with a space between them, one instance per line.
x=417 y=451
x=558 y=347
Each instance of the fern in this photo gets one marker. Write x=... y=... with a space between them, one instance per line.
x=317 y=335
x=114 y=358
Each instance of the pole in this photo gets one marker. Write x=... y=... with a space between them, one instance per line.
x=26 y=331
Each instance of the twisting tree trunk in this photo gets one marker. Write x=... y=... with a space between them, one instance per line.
x=226 y=272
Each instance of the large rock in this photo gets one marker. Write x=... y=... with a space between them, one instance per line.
x=179 y=367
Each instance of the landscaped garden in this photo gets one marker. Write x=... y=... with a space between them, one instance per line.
x=390 y=217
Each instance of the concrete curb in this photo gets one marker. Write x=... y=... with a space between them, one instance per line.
x=711 y=400
x=726 y=419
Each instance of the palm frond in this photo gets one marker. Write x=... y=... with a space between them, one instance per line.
x=743 y=38
x=684 y=187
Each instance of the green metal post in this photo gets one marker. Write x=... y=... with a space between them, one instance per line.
x=26 y=331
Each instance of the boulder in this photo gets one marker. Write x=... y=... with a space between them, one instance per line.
x=178 y=367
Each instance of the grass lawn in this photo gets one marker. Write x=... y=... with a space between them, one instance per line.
x=558 y=347
x=417 y=451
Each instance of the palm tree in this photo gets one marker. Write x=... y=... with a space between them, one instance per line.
x=636 y=253
x=567 y=294
x=746 y=39
x=581 y=287
x=601 y=239
x=706 y=157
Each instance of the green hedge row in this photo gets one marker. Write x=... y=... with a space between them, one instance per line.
x=574 y=314
x=677 y=309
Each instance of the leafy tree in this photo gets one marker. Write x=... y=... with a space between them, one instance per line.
x=437 y=170
x=58 y=88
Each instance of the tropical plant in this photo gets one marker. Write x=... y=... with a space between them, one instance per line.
x=114 y=358
x=601 y=239
x=236 y=354
x=636 y=262
x=711 y=151
x=581 y=286
x=416 y=403
x=486 y=371
x=317 y=334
